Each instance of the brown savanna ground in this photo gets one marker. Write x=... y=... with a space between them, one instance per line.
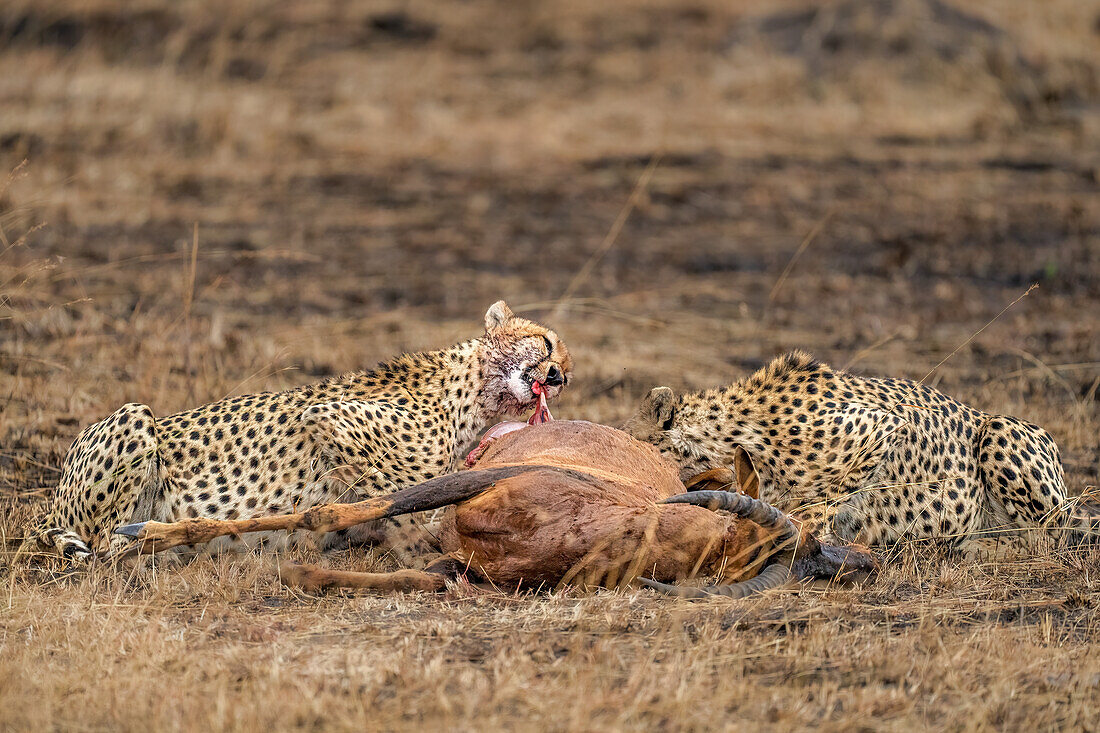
x=367 y=177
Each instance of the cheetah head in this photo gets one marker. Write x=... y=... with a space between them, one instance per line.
x=520 y=354
x=659 y=422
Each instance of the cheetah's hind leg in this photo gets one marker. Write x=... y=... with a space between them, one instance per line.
x=109 y=476
x=1022 y=472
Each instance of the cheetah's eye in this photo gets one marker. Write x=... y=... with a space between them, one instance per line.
x=549 y=346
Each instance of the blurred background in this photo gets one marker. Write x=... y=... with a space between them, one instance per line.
x=209 y=198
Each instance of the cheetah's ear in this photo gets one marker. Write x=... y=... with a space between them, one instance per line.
x=498 y=314
x=659 y=407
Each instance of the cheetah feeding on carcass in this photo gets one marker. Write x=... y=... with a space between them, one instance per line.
x=876 y=460
x=347 y=438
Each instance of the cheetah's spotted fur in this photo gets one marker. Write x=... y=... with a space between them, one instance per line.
x=349 y=437
x=876 y=459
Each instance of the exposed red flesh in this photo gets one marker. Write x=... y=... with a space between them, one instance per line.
x=539 y=416
x=542 y=410
x=501 y=428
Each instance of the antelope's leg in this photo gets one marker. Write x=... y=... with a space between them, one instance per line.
x=158 y=536
x=314 y=577
x=432 y=494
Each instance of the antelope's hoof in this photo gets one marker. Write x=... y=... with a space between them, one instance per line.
x=295 y=576
x=131 y=530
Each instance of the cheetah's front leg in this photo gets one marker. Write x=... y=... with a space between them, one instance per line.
x=369 y=448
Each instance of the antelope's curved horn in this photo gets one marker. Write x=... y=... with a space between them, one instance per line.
x=744 y=506
x=755 y=510
x=773 y=576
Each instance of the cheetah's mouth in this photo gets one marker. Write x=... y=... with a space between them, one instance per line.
x=529 y=390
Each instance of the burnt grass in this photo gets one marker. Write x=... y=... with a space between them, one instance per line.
x=367 y=179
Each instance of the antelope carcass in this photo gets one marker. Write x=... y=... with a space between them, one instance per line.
x=564 y=502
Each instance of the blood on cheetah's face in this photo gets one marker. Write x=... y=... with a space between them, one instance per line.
x=519 y=355
x=656 y=423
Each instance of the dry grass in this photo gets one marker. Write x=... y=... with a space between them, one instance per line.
x=220 y=644
x=366 y=181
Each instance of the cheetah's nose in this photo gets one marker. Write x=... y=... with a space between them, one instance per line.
x=554 y=377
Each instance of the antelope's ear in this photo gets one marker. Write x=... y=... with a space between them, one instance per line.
x=659 y=407
x=747 y=478
x=498 y=314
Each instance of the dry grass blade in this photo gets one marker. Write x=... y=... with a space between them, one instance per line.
x=974 y=335
x=611 y=237
x=806 y=242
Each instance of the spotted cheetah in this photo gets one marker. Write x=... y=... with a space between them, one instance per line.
x=359 y=435
x=876 y=460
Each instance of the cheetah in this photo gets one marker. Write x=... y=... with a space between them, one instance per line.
x=875 y=460
x=358 y=435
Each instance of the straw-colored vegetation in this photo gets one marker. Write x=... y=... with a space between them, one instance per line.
x=368 y=177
